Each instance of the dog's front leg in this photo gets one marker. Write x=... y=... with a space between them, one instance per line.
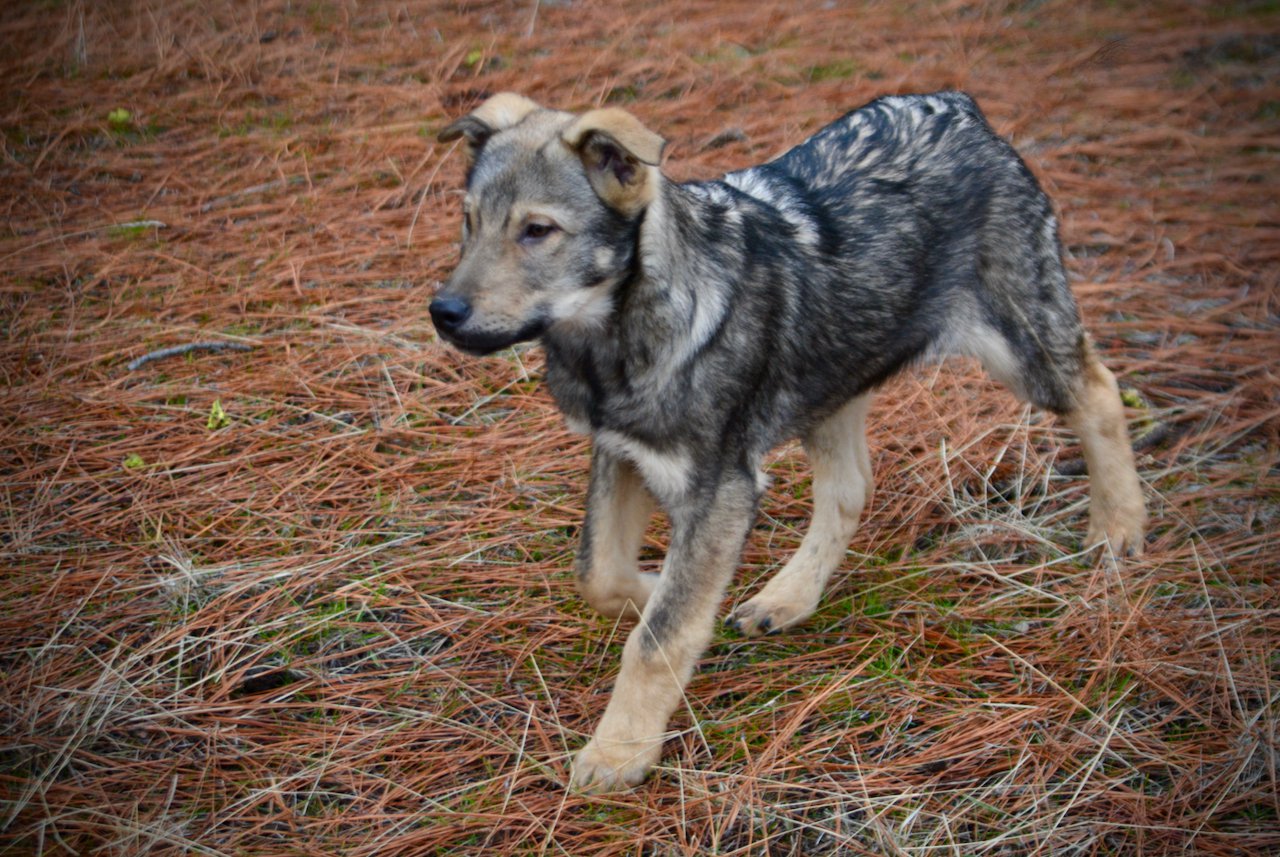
x=675 y=628
x=618 y=508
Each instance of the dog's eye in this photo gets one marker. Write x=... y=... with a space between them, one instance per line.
x=535 y=231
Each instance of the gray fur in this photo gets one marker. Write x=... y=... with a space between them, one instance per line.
x=691 y=328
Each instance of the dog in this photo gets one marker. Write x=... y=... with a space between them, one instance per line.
x=690 y=328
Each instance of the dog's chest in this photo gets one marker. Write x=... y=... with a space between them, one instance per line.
x=621 y=424
x=666 y=472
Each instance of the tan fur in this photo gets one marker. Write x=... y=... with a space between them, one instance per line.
x=504 y=110
x=837 y=451
x=593 y=131
x=501 y=297
x=497 y=113
x=628 y=131
x=628 y=740
x=610 y=579
x=1118 y=515
x=656 y=668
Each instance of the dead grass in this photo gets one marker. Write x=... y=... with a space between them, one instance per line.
x=338 y=617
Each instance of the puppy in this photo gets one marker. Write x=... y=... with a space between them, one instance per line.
x=691 y=328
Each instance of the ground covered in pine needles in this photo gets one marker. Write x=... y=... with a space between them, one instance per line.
x=310 y=592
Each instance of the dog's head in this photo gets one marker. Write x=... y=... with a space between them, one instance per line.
x=550 y=221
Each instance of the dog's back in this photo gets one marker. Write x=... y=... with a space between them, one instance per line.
x=922 y=224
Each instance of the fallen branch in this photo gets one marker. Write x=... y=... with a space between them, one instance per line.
x=175 y=350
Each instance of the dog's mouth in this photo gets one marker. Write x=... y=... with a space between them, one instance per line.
x=483 y=342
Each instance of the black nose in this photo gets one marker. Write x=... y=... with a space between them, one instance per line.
x=450 y=313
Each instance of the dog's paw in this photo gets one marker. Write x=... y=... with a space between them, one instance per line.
x=1122 y=532
x=764 y=615
x=613 y=766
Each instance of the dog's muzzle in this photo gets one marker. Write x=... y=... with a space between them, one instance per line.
x=451 y=315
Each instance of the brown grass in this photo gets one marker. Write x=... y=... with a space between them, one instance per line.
x=340 y=620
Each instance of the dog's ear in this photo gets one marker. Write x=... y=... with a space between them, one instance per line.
x=620 y=154
x=497 y=113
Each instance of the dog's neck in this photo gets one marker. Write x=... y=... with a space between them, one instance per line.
x=658 y=309
x=660 y=319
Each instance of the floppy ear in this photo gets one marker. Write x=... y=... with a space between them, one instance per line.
x=621 y=157
x=497 y=113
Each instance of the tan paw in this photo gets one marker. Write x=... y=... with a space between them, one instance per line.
x=765 y=615
x=613 y=766
x=1122 y=532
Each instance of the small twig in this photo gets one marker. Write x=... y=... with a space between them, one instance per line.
x=533 y=21
x=265 y=187
x=185 y=349
x=426 y=188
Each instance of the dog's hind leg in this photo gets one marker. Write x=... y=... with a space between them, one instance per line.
x=618 y=509
x=1117 y=513
x=1072 y=382
x=1024 y=326
x=837 y=450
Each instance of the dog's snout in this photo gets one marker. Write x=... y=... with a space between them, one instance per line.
x=450 y=313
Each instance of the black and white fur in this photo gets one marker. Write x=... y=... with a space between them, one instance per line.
x=690 y=328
